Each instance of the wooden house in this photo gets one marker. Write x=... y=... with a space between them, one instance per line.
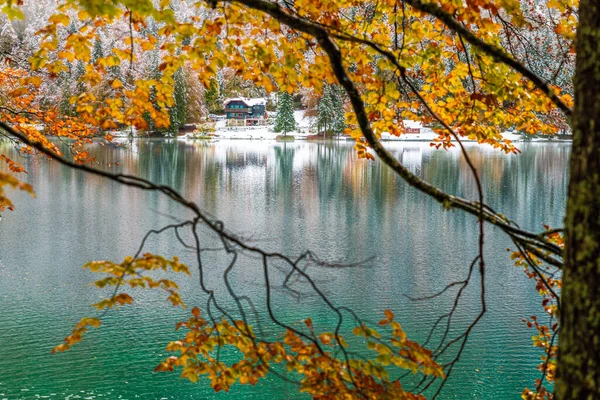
x=245 y=112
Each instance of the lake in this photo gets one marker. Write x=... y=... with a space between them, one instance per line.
x=282 y=197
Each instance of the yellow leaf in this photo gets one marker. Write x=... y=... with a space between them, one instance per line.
x=37 y=62
x=19 y=92
x=66 y=54
x=57 y=19
x=389 y=314
x=32 y=80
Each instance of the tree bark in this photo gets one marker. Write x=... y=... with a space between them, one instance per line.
x=579 y=348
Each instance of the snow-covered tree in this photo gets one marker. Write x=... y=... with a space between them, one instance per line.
x=177 y=112
x=152 y=72
x=97 y=51
x=325 y=111
x=77 y=75
x=213 y=96
x=330 y=111
x=285 y=121
x=337 y=99
x=8 y=39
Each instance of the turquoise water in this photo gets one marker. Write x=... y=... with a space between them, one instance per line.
x=283 y=197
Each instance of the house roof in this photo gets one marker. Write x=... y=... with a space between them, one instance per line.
x=249 y=102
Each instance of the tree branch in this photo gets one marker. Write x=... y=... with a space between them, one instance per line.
x=447 y=200
x=497 y=53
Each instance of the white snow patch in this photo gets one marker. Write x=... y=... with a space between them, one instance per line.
x=303 y=124
x=249 y=102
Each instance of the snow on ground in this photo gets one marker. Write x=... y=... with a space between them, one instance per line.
x=304 y=124
x=222 y=131
x=417 y=132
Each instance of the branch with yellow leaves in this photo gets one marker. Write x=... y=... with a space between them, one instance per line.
x=528 y=240
x=533 y=242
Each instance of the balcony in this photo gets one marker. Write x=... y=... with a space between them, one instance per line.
x=238 y=110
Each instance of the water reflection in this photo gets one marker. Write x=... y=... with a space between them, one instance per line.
x=285 y=197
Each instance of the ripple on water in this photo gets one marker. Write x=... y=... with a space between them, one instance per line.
x=290 y=198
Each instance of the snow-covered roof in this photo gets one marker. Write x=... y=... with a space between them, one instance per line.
x=249 y=102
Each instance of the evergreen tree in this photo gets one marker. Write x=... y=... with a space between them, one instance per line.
x=330 y=111
x=325 y=111
x=152 y=72
x=64 y=104
x=337 y=99
x=71 y=29
x=79 y=72
x=8 y=39
x=212 y=96
x=115 y=71
x=178 y=112
x=285 y=121
x=97 y=51
x=67 y=79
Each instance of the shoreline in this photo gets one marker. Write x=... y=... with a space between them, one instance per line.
x=328 y=140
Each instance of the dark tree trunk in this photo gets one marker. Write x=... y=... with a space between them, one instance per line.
x=579 y=349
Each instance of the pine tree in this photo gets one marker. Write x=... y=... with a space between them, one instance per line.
x=115 y=71
x=69 y=84
x=178 y=112
x=65 y=83
x=71 y=29
x=152 y=72
x=97 y=51
x=330 y=111
x=285 y=121
x=337 y=96
x=212 y=96
x=77 y=75
x=325 y=111
x=8 y=39
x=64 y=105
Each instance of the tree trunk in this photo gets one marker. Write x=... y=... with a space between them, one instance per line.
x=579 y=348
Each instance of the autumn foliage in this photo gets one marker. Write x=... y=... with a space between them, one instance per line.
x=322 y=374
x=311 y=356
x=548 y=284
x=405 y=63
